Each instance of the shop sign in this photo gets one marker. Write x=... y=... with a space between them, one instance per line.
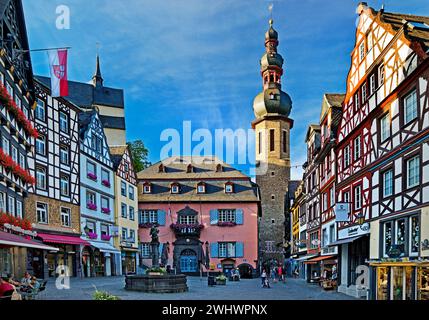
x=354 y=231
x=20 y=230
x=395 y=251
x=342 y=211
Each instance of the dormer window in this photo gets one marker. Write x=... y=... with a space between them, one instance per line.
x=175 y=188
x=161 y=168
x=229 y=187
x=147 y=188
x=189 y=168
x=219 y=168
x=201 y=187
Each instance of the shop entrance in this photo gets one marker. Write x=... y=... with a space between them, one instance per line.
x=402 y=283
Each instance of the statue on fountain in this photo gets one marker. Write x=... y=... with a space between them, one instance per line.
x=154 y=246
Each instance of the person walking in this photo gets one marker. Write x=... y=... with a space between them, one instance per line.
x=280 y=274
x=263 y=278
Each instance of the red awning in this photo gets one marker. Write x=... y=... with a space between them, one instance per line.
x=52 y=238
x=13 y=240
x=318 y=259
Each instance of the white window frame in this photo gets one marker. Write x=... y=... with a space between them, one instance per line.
x=381 y=75
x=14 y=154
x=410 y=115
x=124 y=209
x=65 y=217
x=3 y=202
x=91 y=195
x=88 y=165
x=19 y=207
x=64 y=122
x=175 y=189
x=201 y=188
x=227 y=215
x=372 y=85
x=41 y=172
x=229 y=188
x=42 y=212
x=123 y=188
x=40 y=110
x=41 y=145
x=147 y=189
x=387 y=187
x=131 y=192
x=5 y=145
x=22 y=163
x=65 y=182
x=415 y=174
x=357 y=148
x=357 y=197
x=145 y=250
x=11 y=205
x=64 y=155
x=105 y=200
x=347 y=156
x=131 y=213
x=385 y=131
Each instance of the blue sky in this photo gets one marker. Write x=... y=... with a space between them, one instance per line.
x=198 y=60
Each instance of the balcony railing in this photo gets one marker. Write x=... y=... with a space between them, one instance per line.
x=187 y=229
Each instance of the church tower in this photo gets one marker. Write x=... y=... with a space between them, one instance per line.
x=272 y=126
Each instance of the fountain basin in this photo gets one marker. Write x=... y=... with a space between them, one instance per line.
x=156 y=283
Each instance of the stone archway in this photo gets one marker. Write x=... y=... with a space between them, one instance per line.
x=246 y=271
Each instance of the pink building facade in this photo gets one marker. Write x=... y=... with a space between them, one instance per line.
x=206 y=213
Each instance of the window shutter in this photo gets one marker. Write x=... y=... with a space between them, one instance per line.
x=161 y=217
x=161 y=246
x=214 y=216
x=214 y=250
x=140 y=216
x=239 y=249
x=239 y=216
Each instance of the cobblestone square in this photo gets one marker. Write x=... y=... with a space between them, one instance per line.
x=294 y=289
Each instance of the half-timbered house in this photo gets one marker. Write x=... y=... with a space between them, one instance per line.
x=16 y=135
x=311 y=179
x=53 y=205
x=383 y=155
x=329 y=120
x=97 y=199
x=126 y=208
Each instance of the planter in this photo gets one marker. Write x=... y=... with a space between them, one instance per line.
x=226 y=224
x=92 y=235
x=105 y=210
x=106 y=237
x=91 y=206
x=92 y=176
x=220 y=282
x=106 y=183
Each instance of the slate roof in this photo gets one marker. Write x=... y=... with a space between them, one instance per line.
x=85 y=95
x=204 y=171
x=331 y=100
x=84 y=121
x=396 y=20
x=293 y=186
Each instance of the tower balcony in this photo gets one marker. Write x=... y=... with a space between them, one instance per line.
x=187 y=230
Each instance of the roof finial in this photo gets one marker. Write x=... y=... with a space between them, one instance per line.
x=270 y=8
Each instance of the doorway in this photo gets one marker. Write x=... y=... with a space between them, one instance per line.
x=188 y=261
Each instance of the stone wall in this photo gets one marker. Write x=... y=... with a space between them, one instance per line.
x=54 y=214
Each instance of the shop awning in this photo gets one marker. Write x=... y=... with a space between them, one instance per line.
x=51 y=238
x=13 y=240
x=344 y=241
x=104 y=247
x=306 y=257
x=318 y=259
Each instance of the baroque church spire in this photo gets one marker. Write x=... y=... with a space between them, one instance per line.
x=272 y=100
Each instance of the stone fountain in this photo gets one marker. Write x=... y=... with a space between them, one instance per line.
x=155 y=281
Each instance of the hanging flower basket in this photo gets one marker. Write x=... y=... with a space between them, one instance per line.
x=7 y=101
x=11 y=166
x=92 y=176
x=180 y=227
x=105 y=210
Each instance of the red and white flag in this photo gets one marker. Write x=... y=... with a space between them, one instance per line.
x=58 y=67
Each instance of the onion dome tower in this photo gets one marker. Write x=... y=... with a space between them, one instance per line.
x=272 y=125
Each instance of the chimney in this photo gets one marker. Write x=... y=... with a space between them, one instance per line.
x=361 y=6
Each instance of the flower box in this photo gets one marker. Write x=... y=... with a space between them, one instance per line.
x=147 y=225
x=11 y=166
x=7 y=101
x=105 y=210
x=92 y=176
x=92 y=235
x=226 y=224
x=17 y=222
x=91 y=206
x=106 y=237
x=106 y=183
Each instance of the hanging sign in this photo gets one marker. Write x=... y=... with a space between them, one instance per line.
x=342 y=211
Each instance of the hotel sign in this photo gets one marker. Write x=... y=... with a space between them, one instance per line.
x=354 y=231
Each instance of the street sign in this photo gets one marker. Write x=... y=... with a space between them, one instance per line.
x=342 y=211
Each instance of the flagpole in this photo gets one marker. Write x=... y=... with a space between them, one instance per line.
x=47 y=49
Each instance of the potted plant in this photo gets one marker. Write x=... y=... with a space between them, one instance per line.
x=106 y=237
x=92 y=235
x=221 y=280
x=156 y=271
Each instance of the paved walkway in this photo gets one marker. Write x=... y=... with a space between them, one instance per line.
x=294 y=289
